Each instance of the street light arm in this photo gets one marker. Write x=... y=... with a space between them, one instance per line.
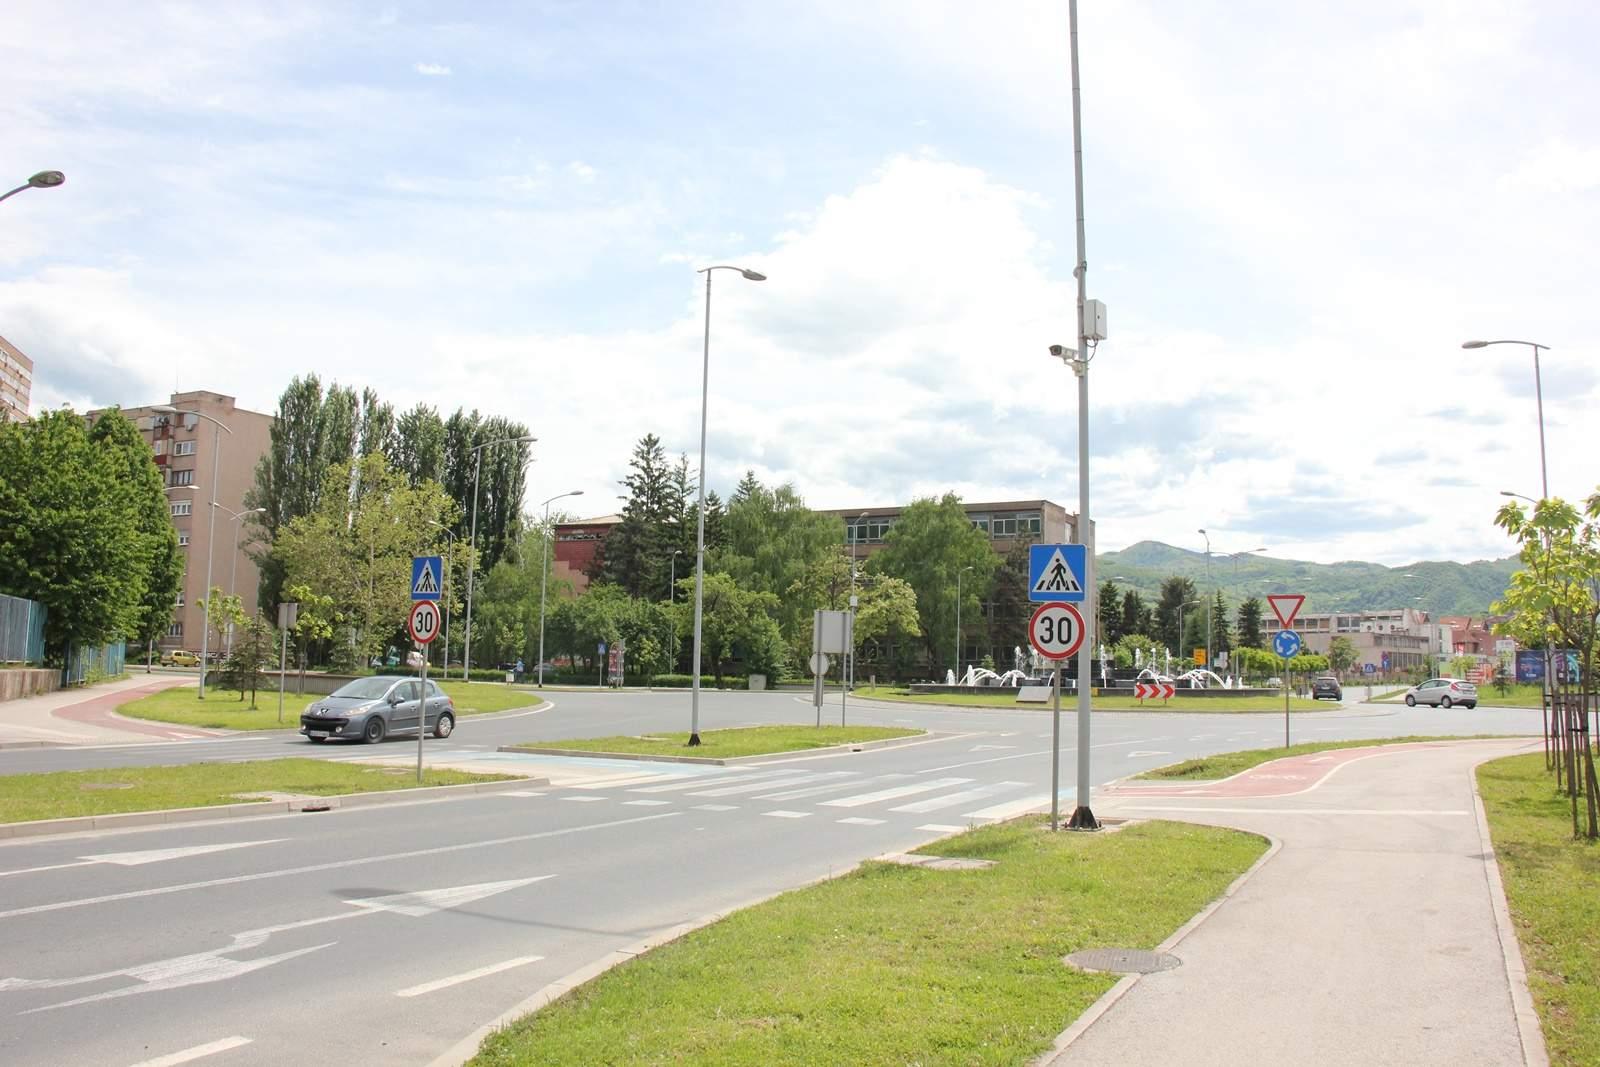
x=168 y=409
x=1486 y=344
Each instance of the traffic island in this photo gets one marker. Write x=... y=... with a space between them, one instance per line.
x=223 y=710
x=723 y=746
x=895 y=962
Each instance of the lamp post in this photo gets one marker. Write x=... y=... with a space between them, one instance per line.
x=544 y=568
x=149 y=646
x=472 y=564
x=1538 y=392
x=850 y=653
x=211 y=524
x=959 y=573
x=700 y=535
x=1211 y=595
x=672 y=576
x=233 y=566
x=449 y=565
x=45 y=179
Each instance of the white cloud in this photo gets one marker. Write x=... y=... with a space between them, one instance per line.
x=432 y=70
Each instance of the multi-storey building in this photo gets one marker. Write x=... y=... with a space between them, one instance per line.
x=1394 y=640
x=577 y=544
x=16 y=382
x=194 y=457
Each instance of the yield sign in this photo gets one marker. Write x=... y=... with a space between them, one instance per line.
x=1286 y=606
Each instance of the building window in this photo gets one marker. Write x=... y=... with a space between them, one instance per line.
x=980 y=522
x=183 y=448
x=183 y=540
x=183 y=477
x=160 y=447
x=175 y=630
x=179 y=602
x=182 y=507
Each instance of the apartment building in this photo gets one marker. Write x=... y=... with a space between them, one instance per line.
x=207 y=443
x=16 y=382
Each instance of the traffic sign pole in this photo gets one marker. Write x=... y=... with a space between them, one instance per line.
x=422 y=711
x=1055 y=751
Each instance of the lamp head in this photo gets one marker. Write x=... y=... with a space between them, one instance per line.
x=1475 y=344
x=47 y=179
x=753 y=276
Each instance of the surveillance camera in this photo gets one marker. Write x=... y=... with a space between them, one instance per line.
x=1062 y=352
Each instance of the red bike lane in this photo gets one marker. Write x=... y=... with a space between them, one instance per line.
x=1279 y=778
x=100 y=711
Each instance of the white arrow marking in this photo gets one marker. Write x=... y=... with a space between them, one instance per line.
x=991 y=748
x=139 y=859
x=213 y=966
x=210 y=1048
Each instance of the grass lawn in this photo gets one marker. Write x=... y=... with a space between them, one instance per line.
x=1177 y=703
x=1227 y=764
x=1553 y=887
x=725 y=744
x=223 y=710
x=894 y=964
x=1516 y=696
x=65 y=794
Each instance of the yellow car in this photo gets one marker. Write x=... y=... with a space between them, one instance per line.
x=180 y=658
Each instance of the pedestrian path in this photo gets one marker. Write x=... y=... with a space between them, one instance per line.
x=87 y=716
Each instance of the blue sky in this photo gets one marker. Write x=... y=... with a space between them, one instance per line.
x=1296 y=213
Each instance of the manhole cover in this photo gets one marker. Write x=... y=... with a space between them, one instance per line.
x=1123 y=960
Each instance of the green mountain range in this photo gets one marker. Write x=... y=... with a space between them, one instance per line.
x=1438 y=587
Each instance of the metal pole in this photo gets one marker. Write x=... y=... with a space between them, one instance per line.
x=1538 y=392
x=1286 y=702
x=449 y=565
x=472 y=567
x=544 y=569
x=700 y=535
x=211 y=536
x=1055 y=750
x=283 y=667
x=959 y=573
x=844 y=688
x=233 y=573
x=1082 y=817
x=422 y=713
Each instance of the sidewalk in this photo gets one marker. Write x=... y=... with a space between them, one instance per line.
x=86 y=716
x=1376 y=933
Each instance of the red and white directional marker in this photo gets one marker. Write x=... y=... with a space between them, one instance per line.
x=1152 y=690
x=1056 y=630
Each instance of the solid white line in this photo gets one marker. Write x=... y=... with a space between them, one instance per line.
x=361 y=861
x=188 y=1054
x=857 y=820
x=466 y=976
x=788 y=814
x=890 y=794
x=1292 y=811
x=716 y=807
x=939 y=828
x=644 y=803
x=583 y=800
x=522 y=793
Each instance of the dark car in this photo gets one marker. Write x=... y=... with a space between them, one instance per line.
x=1327 y=687
x=369 y=709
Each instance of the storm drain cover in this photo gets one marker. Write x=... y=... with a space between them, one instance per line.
x=1123 y=960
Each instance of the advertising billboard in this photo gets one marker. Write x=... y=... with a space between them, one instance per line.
x=1530 y=666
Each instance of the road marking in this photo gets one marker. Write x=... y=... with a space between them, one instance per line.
x=704 y=780
x=522 y=793
x=890 y=794
x=644 y=803
x=466 y=976
x=172 y=1059
x=626 y=780
x=583 y=800
x=747 y=787
x=921 y=807
x=940 y=828
x=360 y=861
x=1039 y=752
x=1293 y=811
x=1007 y=810
x=716 y=807
x=856 y=820
x=831 y=787
x=788 y=814
x=139 y=859
x=990 y=748
x=1146 y=752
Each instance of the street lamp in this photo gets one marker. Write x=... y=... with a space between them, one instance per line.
x=544 y=568
x=233 y=566
x=45 y=179
x=672 y=576
x=1538 y=392
x=959 y=573
x=472 y=564
x=1209 y=598
x=1519 y=496
x=850 y=653
x=449 y=565
x=211 y=524
x=700 y=536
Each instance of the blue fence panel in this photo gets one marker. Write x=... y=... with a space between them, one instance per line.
x=101 y=661
x=21 y=630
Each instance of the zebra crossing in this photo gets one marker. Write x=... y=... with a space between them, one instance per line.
x=850 y=798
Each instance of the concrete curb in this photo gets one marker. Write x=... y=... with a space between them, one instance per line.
x=1124 y=986
x=1529 y=1032
x=129 y=819
x=35 y=744
x=731 y=761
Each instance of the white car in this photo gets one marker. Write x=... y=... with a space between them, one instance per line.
x=1443 y=693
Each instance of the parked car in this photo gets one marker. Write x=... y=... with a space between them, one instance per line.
x=1443 y=693
x=1327 y=686
x=1273 y=683
x=179 y=657
x=369 y=709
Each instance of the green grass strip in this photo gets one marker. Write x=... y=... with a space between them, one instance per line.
x=223 y=710
x=1180 y=704
x=896 y=965
x=1553 y=887
x=727 y=744
x=1228 y=764
x=67 y=794
x=1518 y=695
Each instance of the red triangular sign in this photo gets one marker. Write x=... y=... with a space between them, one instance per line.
x=1286 y=606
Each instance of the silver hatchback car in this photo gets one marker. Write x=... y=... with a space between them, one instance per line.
x=369 y=709
x=1443 y=693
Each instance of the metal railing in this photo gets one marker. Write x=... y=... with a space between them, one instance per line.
x=21 y=630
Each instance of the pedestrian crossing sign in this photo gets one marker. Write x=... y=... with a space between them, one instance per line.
x=425 y=573
x=1057 y=572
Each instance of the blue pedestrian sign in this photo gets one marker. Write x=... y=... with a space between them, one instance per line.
x=1057 y=572
x=426 y=572
x=1286 y=644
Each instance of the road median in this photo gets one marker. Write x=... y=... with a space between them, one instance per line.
x=720 y=747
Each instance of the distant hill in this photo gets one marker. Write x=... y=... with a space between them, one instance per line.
x=1439 y=587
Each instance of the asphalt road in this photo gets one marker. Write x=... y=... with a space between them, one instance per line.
x=384 y=935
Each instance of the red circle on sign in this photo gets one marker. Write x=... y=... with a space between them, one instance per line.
x=423 y=625
x=1056 y=630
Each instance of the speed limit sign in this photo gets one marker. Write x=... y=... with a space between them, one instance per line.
x=1056 y=630
x=424 y=621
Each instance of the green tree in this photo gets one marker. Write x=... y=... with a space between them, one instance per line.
x=501 y=480
x=377 y=428
x=255 y=651
x=1137 y=650
x=928 y=546
x=70 y=532
x=315 y=621
x=1108 y=607
x=1258 y=663
x=419 y=445
x=1136 y=616
x=1221 y=634
x=738 y=623
x=1010 y=608
x=1250 y=635
x=638 y=549
x=1176 y=591
x=1342 y=654
x=222 y=613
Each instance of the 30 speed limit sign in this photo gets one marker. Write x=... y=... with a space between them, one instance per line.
x=1056 y=630
x=424 y=621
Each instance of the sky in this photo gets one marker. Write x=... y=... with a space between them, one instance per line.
x=1295 y=214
